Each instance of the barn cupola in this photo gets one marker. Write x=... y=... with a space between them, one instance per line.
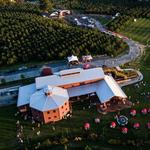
x=48 y=90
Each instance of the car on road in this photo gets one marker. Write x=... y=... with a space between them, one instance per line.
x=23 y=68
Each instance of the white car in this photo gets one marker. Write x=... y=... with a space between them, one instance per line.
x=54 y=14
x=91 y=25
x=84 y=17
x=22 y=68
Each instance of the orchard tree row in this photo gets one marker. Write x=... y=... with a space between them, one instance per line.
x=19 y=7
x=120 y=22
x=27 y=37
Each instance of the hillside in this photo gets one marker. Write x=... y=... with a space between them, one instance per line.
x=26 y=36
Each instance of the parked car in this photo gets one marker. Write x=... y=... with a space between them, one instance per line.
x=22 y=68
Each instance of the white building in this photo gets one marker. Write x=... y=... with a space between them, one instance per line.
x=65 y=85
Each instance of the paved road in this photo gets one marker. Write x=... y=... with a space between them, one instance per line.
x=134 y=52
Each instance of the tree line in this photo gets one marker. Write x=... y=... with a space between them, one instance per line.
x=26 y=36
x=107 y=7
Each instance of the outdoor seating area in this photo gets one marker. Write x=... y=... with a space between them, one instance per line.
x=115 y=104
x=121 y=121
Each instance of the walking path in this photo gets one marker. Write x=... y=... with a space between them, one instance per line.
x=135 y=50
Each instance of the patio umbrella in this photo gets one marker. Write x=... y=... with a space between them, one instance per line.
x=86 y=66
x=136 y=125
x=124 y=130
x=46 y=71
x=113 y=124
x=144 y=111
x=148 y=125
x=87 y=126
x=133 y=112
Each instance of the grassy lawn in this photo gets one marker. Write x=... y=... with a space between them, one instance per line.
x=138 y=31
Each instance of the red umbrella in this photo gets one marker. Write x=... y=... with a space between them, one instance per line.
x=87 y=126
x=136 y=125
x=124 y=130
x=133 y=112
x=148 y=110
x=46 y=71
x=144 y=111
x=86 y=66
x=113 y=124
x=148 y=125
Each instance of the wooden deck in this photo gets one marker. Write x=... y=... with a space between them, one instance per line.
x=114 y=106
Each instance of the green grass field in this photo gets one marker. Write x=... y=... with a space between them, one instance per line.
x=138 y=31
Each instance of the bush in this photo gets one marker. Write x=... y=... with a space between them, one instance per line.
x=3 y=81
x=22 y=76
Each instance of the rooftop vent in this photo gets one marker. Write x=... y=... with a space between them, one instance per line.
x=48 y=90
x=70 y=72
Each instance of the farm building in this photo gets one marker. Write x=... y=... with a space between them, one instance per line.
x=49 y=98
x=49 y=104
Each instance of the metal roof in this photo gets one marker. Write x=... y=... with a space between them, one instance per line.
x=57 y=80
x=70 y=71
x=24 y=94
x=105 y=89
x=108 y=88
x=42 y=102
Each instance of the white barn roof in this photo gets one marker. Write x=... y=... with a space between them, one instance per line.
x=109 y=88
x=82 y=90
x=70 y=71
x=43 y=102
x=24 y=94
x=58 y=80
x=105 y=89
